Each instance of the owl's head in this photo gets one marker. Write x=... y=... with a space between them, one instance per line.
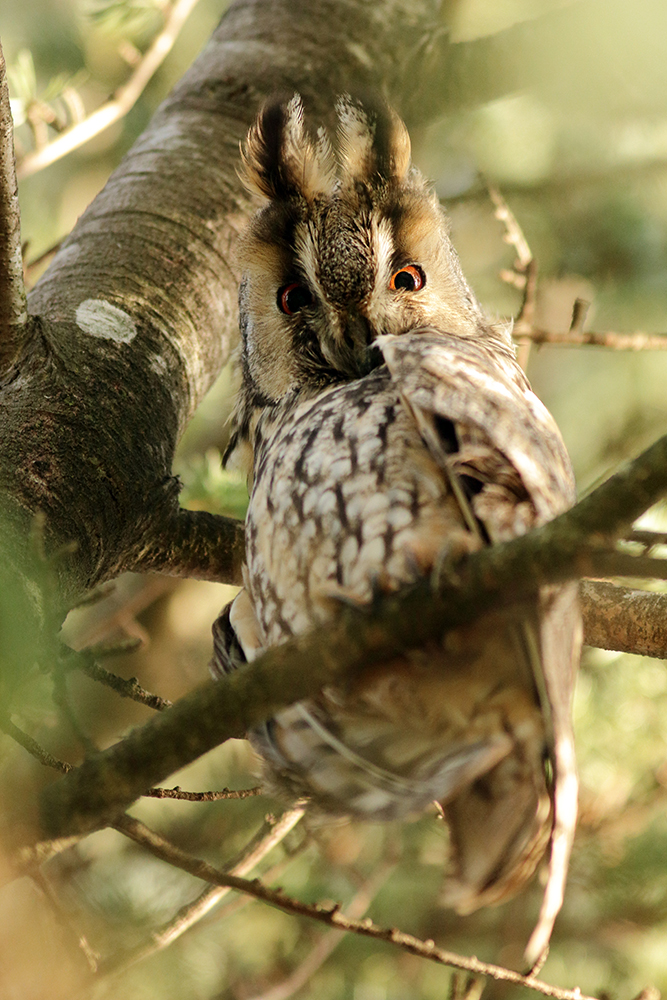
x=351 y=244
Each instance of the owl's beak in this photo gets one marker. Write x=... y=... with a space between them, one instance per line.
x=359 y=337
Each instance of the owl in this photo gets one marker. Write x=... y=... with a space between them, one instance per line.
x=386 y=428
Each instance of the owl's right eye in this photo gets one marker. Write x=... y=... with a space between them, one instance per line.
x=293 y=297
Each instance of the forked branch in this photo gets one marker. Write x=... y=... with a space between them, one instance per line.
x=331 y=915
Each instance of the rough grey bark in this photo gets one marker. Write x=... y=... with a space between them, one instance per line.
x=137 y=313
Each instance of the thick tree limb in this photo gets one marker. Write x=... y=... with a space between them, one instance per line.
x=13 y=308
x=137 y=312
x=490 y=580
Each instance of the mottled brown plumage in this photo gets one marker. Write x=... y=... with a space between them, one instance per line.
x=385 y=425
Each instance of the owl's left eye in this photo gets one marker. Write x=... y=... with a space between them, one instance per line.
x=293 y=297
x=410 y=278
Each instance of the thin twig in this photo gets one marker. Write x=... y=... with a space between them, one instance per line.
x=13 y=307
x=131 y=688
x=332 y=916
x=193 y=912
x=513 y=231
x=649 y=539
x=329 y=941
x=637 y=341
x=32 y=746
x=463 y=986
x=26 y=859
x=523 y=275
x=121 y=102
x=224 y=793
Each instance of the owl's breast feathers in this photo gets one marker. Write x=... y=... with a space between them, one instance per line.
x=364 y=489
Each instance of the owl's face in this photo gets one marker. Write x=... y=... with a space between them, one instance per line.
x=351 y=245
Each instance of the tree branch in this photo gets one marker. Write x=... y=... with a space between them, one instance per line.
x=32 y=746
x=197 y=545
x=625 y=620
x=328 y=943
x=637 y=341
x=85 y=662
x=122 y=101
x=13 y=307
x=493 y=579
x=224 y=793
x=193 y=912
x=331 y=916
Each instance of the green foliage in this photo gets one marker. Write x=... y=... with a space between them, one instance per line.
x=207 y=486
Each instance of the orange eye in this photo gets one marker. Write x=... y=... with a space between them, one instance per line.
x=293 y=297
x=410 y=278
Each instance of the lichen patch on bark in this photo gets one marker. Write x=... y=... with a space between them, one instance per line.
x=100 y=319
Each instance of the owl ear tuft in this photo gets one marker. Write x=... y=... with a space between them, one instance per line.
x=373 y=142
x=280 y=160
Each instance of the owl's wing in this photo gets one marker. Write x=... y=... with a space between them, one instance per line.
x=503 y=452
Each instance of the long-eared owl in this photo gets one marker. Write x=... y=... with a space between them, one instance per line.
x=386 y=426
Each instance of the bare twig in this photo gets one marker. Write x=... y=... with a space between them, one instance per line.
x=513 y=231
x=32 y=746
x=131 y=688
x=464 y=986
x=13 y=307
x=193 y=912
x=121 y=102
x=329 y=941
x=637 y=341
x=26 y=859
x=332 y=916
x=523 y=275
x=224 y=793
x=649 y=539
x=579 y=313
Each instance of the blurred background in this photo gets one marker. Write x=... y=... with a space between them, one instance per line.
x=578 y=148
